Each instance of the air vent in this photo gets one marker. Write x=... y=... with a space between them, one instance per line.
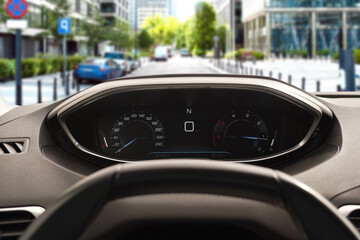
x=14 y=221
x=13 y=146
x=352 y=212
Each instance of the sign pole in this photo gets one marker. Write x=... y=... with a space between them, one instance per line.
x=64 y=70
x=18 y=88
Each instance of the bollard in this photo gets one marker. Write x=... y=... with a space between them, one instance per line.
x=303 y=82
x=338 y=88
x=67 y=85
x=256 y=72
x=246 y=70
x=55 y=90
x=261 y=73
x=39 y=91
x=279 y=76
x=251 y=71
x=318 y=86
x=77 y=85
x=270 y=74
x=73 y=83
x=62 y=79
x=290 y=80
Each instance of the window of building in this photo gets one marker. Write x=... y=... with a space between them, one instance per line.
x=107 y=8
x=291 y=33
x=328 y=31
x=353 y=30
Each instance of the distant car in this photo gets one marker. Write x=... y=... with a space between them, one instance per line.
x=161 y=53
x=133 y=63
x=98 y=69
x=120 y=58
x=185 y=52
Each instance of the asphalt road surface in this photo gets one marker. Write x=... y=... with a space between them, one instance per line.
x=174 y=65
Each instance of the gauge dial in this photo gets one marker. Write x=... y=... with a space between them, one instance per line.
x=136 y=134
x=242 y=133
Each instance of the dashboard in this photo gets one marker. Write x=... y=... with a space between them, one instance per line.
x=243 y=123
x=253 y=120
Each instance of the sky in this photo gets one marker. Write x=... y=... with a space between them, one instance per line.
x=185 y=9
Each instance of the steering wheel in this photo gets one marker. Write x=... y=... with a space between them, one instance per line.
x=176 y=199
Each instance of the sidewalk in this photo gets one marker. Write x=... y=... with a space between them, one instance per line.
x=325 y=71
x=30 y=89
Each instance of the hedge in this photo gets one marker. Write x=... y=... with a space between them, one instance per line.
x=37 y=66
x=356 y=56
x=242 y=54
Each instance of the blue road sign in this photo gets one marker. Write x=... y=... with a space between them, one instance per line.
x=64 y=26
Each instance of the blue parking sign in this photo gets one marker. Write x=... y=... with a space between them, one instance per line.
x=64 y=26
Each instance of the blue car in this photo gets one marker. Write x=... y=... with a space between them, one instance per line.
x=98 y=69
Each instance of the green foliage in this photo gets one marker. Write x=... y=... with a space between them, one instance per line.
x=4 y=69
x=242 y=54
x=30 y=67
x=198 y=52
x=221 y=33
x=119 y=35
x=205 y=30
x=3 y=14
x=163 y=30
x=181 y=36
x=324 y=52
x=145 y=40
x=299 y=53
x=46 y=65
x=190 y=33
x=51 y=18
x=357 y=55
x=258 y=55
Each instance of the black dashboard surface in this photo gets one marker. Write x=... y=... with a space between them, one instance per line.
x=330 y=165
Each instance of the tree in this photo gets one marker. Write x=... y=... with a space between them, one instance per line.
x=221 y=33
x=3 y=14
x=162 y=30
x=94 y=28
x=119 y=35
x=190 y=34
x=205 y=20
x=50 y=23
x=145 y=40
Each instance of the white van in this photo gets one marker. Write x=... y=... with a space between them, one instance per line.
x=161 y=53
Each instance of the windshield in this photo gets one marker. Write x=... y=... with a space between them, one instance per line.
x=313 y=45
x=114 y=55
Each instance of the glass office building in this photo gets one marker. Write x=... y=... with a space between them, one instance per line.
x=306 y=27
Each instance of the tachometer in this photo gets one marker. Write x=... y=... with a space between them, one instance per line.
x=136 y=134
x=242 y=133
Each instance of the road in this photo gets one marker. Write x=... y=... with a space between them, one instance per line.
x=174 y=65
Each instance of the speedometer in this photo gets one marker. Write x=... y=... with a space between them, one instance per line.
x=136 y=134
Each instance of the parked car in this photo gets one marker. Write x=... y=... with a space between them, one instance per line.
x=133 y=63
x=161 y=53
x=185 y=52
x=98 y=69
x=119 y=58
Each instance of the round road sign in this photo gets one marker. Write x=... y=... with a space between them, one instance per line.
x=17 y=8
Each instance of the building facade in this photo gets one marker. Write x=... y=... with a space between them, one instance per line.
x=32 y=46
x=141 y=9
x=312 y=27
x=229 y=13
x=113 y=10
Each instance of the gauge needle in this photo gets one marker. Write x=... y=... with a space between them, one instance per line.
x=126 y=145
x=254 y=138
